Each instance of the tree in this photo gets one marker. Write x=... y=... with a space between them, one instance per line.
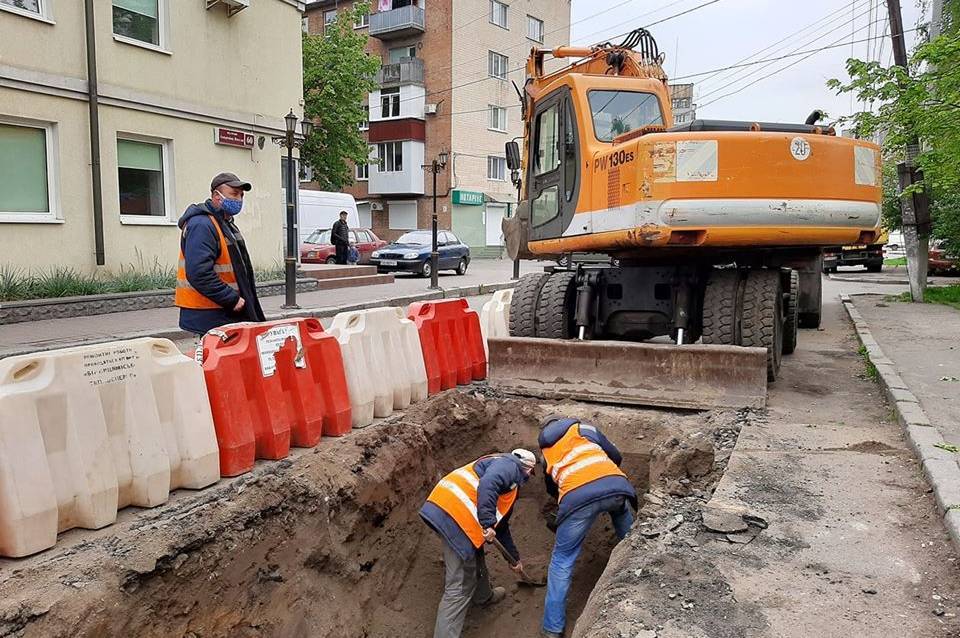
x=337 y=76
x=924 y=103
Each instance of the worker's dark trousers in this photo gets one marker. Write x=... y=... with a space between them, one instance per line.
x=466 y=581
x=342 y=251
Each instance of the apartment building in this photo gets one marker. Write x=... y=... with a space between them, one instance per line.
x=178 y=91
x=446 y=85
x=684 y=110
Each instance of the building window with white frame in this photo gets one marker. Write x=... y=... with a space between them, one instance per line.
x=29 y=8
x=535 y=29
x=26 y=172
x=390 y=156
x=362 y=172
x=305 y=24
x=498 y=65
x=362 y=21
x=140 y=169
x=329 y=17
x=498 y=118
x=138 y=20
x=496 y=168
x=365 y=124
x=390 y=102
x=498 y=13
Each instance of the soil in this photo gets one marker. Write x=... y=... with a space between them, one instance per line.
x=329 y=542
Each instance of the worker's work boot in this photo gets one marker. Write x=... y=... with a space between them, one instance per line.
x=549 y=634
x=499 y=593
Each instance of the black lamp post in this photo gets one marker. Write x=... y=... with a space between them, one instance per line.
x=435 y=167
x=290 y=260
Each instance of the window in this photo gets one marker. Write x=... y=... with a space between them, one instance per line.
x=535 y=29
x=498 y=118
x=305 y=24
x=137 y=20
x=391 y=157
x=498 y=13
x=362 y=22
x=390 y=102
x=306 y=172
x=619 y=112
x=546 y=155
x=329 y=17
x=681 y=103
x=26 y=172
x=398 y=54
x=30 y=8
x=498 y=65
x=496 y=168
x=365 y=124
x=362 y=172
x=546 y=206
x=403 y=216
x=140 y=177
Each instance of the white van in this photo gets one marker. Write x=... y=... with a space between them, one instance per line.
x=319 y=209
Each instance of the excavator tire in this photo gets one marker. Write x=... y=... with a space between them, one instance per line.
x=523 y=307
x=720 y=302
x=556 y=306
x=790 y=325
x=762 y=321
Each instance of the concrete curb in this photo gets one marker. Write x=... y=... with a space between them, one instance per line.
x=939 y=466
x=319 y=313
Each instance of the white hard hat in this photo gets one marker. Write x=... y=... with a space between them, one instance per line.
x=527 y=458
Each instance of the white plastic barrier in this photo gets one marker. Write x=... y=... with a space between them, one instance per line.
x=85 y=431
x=495 y=316
x=382 y=361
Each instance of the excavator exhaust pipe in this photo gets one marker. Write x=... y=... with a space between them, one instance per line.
x=691 y=377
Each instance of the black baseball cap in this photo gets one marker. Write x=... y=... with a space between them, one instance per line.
x=230 y=180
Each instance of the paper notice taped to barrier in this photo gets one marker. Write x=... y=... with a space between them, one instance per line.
x=270 y=342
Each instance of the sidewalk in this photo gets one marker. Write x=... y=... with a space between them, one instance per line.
x=55 y=333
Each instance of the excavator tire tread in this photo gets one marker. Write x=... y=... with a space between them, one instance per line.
x=523 y=307
x=790 y=324
x=720 y=308
x=555 y=307
x=762 y=323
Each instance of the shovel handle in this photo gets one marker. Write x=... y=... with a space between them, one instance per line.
x=503 y=551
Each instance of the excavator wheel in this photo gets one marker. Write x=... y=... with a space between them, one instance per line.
x=720 y=308
x=790 y=325
x=523 y=307
x=557 y=306
x=762 y=316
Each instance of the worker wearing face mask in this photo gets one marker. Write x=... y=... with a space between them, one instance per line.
x=215 y=282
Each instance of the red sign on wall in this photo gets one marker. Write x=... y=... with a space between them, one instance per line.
x=230 y=137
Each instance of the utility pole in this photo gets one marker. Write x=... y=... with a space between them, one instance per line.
x=914 y=208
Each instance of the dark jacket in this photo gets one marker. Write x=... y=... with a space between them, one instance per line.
x=201 y=247
x=340 y=233
x=498 y=473
x=594 y=490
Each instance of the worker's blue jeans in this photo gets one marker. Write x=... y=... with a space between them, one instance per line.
x=566 y=548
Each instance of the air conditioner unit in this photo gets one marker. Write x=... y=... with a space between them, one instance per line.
x=376 y=206
x=233 y=6
x=430 y=109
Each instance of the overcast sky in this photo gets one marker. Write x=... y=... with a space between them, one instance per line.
x=727 y=31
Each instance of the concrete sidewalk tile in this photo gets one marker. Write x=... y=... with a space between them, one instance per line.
x=944 y=476
x=910 y=413
x=892 y=379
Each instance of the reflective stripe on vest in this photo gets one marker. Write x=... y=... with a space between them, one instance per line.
x=456 y=494
x=186 y=296
x=574 y=461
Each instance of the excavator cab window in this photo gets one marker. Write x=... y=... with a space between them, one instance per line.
x=553 y=167
x=618 y=112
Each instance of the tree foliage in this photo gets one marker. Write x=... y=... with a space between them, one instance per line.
x=337 y=76
x=923 y=105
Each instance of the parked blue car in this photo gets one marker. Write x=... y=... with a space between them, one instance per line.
x=411 y=253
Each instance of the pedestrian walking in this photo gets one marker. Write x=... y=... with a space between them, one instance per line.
x=468 y=507
x=583 y=474
x=340 y=236
x=215 y=281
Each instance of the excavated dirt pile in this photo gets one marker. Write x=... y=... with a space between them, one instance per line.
x=329 y=542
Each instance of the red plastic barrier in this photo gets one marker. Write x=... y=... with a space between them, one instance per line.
x=271 y=385
x=451 y=342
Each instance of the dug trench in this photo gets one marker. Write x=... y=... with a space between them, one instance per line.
x=329 y=542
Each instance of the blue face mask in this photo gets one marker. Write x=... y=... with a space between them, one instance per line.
x=231 y=206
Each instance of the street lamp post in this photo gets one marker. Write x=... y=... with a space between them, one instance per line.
x=290 y=260
x=435 y=167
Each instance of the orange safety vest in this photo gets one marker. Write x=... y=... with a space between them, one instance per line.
x=456 y=494
x=186 y=296
x=574 y=461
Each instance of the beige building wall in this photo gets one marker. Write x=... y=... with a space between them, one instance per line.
x=242 y=72
x=472 y=140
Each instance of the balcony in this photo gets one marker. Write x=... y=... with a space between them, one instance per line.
x=407 y=71
x=408 y=181
x=397 y=23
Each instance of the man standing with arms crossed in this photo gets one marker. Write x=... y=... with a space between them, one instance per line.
x=340 y=237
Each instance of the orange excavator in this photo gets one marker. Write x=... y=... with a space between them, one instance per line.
x=714 y=231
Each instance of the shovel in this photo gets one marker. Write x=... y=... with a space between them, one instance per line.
x=525 y=578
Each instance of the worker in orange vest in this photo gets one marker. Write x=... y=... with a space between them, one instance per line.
x=215 y=282
x=469 y=506
x=583 y=474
